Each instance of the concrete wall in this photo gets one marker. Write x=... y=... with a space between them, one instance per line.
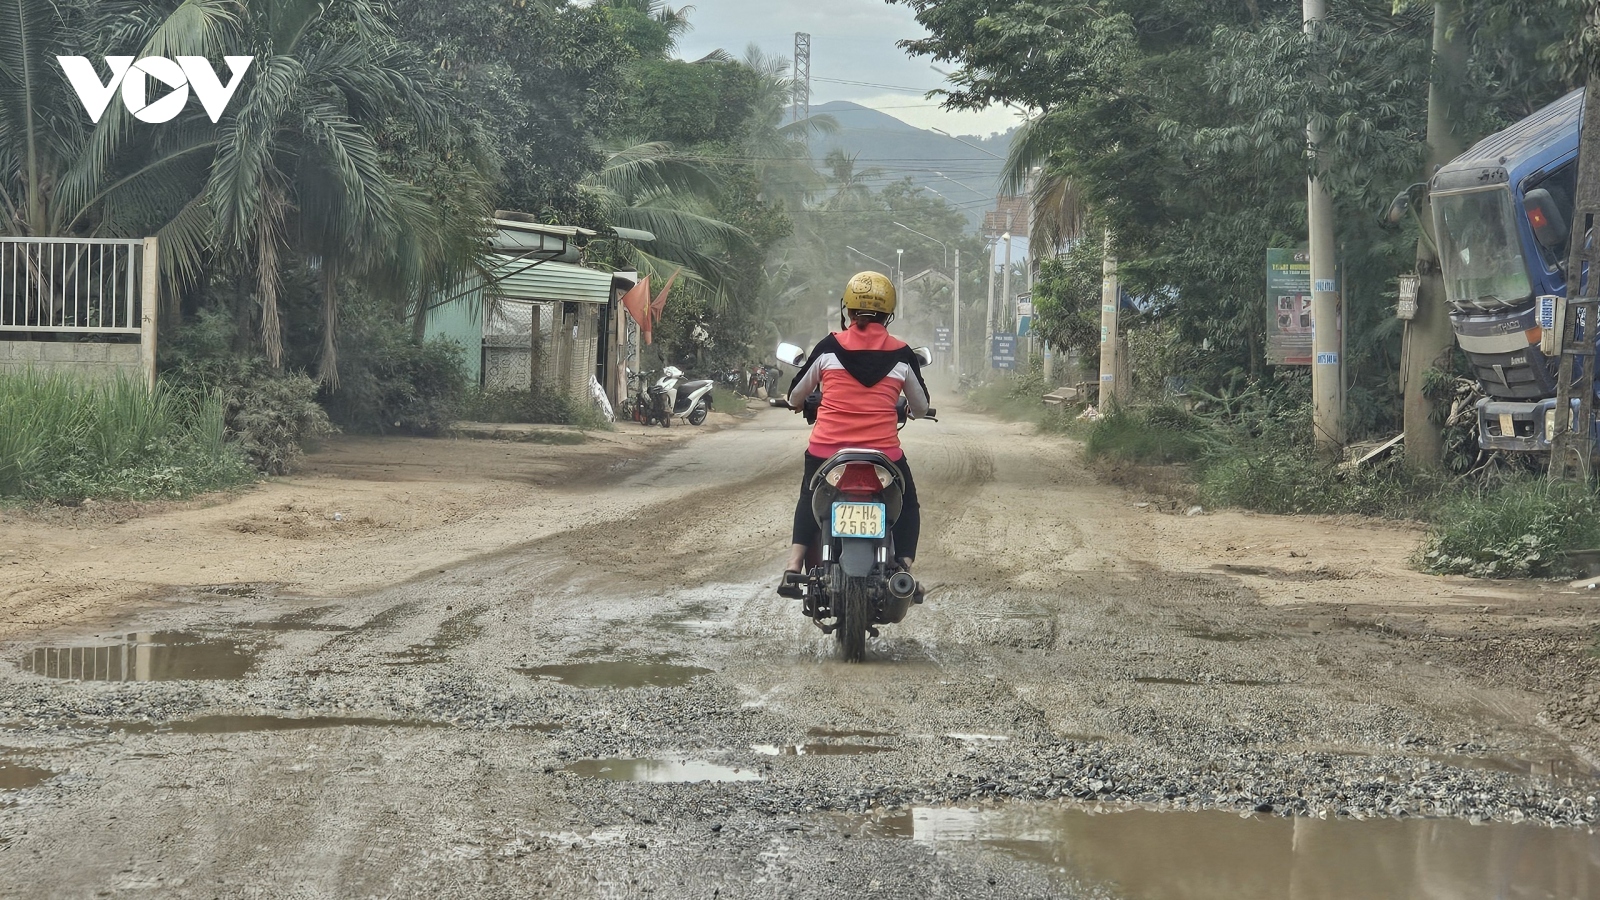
x=81 y=359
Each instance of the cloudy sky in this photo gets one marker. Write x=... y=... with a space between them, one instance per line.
x=851 y=41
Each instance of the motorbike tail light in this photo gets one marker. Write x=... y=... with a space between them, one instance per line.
x=860 y=478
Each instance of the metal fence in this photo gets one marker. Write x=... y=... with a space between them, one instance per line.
x=85 y=305
x=71 y=285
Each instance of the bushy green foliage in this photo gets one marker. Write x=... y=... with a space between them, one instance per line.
x=1519 y=529
x=268 y=414
x=1292 y=481
x=1158 y=434
x=64 y=440
x=390 y=383
x=532 y=407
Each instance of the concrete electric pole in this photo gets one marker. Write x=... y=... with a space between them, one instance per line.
x=1110 y=340
x=1428 y=336
x=1327 y=370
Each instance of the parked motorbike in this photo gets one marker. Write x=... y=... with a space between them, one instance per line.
x=853 y=575
x=673 y=397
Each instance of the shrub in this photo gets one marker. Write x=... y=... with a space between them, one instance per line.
x=390 y=383
x=63 y=439
x=268 y=414
x=1161 y=434
x=1518 y=529
x=532 y=407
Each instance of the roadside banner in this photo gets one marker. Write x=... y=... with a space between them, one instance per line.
x=1289 y=325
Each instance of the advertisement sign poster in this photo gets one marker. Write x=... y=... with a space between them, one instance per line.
x=1003 y=352
x=941 y=338
x=1289 y=327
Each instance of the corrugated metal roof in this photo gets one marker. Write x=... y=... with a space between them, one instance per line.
x=549 y=281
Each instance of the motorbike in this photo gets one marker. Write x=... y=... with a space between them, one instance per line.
x=852 y=575
x=673 y=397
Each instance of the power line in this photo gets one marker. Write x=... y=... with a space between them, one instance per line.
x=870 y=84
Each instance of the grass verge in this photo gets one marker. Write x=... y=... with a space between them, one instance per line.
x=65 y=440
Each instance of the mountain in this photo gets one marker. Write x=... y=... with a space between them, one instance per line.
x=965 y=176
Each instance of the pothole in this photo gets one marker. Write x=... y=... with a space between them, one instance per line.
x=15 y=776
x=818 y=748
x=244 y=724
x=840 y=733
x=663 y=771
x=621 y=673
x=144 y=656
x=1212 y=855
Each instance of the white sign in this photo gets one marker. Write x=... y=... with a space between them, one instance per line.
x=1327 y=359
x=1025 y=308
x=131 y=76
x=1326 y=285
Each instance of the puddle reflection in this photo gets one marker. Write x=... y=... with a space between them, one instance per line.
x=144 y=656
x=660 y=770
x=817 y=748
x=1150 y=855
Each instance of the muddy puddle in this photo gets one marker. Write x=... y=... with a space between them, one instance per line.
x=245 y=724
x=14 y=776
x=818 y=748
x=1215 y=855
x=618 y=673
x=144 y=656
x=660 y=771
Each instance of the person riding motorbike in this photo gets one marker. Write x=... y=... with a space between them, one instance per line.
x=862 y=371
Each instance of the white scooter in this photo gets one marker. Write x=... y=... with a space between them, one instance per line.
x=673 y=397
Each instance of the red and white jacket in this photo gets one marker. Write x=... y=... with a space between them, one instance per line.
x=862 y=370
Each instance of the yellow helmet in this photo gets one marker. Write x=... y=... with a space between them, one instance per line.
x=870 y=292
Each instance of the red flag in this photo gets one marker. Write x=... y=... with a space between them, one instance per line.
x=660 y=303
x=637 y=302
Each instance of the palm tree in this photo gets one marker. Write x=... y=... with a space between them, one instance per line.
x=651 y=187
x=62 y=174
x=299 y=168
x=781 y=149
x=1059 y=210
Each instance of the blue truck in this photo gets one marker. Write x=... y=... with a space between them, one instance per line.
x=1502 y=217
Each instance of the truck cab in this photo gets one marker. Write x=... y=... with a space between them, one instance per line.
x=1502 y=214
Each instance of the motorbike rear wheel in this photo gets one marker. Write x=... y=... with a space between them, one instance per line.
x=698 y=415
x=855 y=617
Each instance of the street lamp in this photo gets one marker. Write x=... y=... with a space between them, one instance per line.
x=930 y=237
x=886 y=266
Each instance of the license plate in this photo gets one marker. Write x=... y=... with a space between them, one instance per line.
x=859 y=520
x=1508 y=425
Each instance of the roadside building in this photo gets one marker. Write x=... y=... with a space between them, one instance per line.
x=538 y=315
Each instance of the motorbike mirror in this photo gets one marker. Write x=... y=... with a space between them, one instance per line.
x=1549 y=225
x=924 y=354
x=790 y=354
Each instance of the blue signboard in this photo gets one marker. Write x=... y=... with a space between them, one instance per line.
x=1003 y=352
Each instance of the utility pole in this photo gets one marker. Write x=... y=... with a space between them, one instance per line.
x=988 y=315
x=1005 y=275
x=1428 y=335
x=1327 y=371
x=955 y=330
x=1110 y=340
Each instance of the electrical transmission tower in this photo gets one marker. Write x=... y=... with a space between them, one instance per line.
x=801 y=106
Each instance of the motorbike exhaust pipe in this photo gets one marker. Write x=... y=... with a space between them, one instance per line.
x=902 y=586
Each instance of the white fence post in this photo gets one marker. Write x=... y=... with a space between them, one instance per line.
x=149 y=308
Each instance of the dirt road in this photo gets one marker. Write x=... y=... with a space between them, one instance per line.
x=581 y=684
